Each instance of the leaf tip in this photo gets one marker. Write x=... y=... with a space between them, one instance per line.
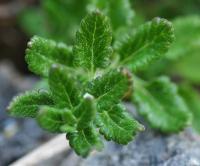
x=88 y=96
x=54 y=68
x=141 y=127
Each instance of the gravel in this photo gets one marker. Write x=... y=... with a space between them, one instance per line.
x=17 y=136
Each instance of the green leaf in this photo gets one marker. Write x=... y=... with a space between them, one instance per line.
x=33 y=22
x=60 y=120
x=192 y=98
x=62 y=25
x=184 y=53
x=69 y=118
x=45 y=20
x=64 y=87
x=85 y=113
x=42 y=53
x=50 y=119
x=117 y=125
x=93 y=40
x=183 y=56
x=27 y=104
x=186 y=29
x=119 y=12
x=187 y=67
x=109 y=88
x=148 y=43
x=161 y=105
x=85 y=138
x=67 y=128
x=84 y=141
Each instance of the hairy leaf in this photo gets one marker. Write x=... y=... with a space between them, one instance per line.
x=183 y=56
x=27 y=104
x=148 y=43
x=69 y=117
x=84 y=141
x=192 y=99
x=85 y=113
x=64 y=87
x=42 y=53
x=50 y=119
x=92 y=46
x=66 y=128
x=119 y=12
x=109 y=88
x=85 y=138
x=117 y=125
x=161 y=105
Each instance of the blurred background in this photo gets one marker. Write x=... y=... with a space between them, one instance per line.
x=58 y=20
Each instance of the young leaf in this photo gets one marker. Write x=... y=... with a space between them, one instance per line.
x=84 y=141
x=109 y=89
x=148 y=43
x=50 y=119
x=93 y=40
x=192 y=99
x=82 y=115
x=66 y=128
x=85 y=113
x=161 y=105
x=85 y=138
x=42 y=53
x=117 y=125
x=63 y=87
x=27 y=104
x=119 y=12
x=69 y=117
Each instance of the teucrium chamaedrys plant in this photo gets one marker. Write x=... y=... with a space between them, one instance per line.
x=88 y=81
x=79 y=102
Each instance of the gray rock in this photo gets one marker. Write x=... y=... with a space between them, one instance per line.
x=17 y=136
x=11 y=83
x=150 y=148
